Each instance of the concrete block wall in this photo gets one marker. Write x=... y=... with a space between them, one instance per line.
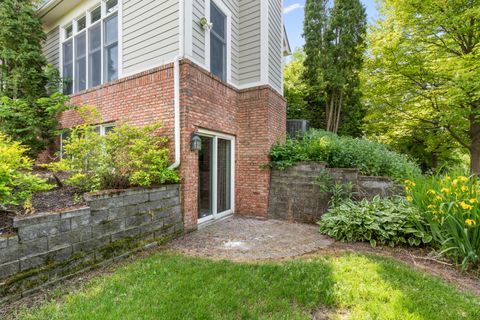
x=295 y=193
x=50 y=246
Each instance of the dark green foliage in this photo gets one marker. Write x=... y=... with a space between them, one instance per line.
x=32 y=122
x=29 y=104
x=380 y=221
x=334 y=47
x=22 y=62
x=371 y=158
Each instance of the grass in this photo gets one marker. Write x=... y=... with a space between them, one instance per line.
x=169 y=286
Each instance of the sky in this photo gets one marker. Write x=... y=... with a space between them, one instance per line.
x=293 y=10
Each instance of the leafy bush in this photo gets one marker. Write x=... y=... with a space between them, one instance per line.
x=126 y=157
x=385 y=221
x=17 y=183
x=371 y=158
x=340 y=191
x=450 y=206
x=32 y=122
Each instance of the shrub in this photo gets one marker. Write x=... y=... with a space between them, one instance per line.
x=371 y=158
x=17 y=183
x=450 y=206
x=32 y=122
x=340 y=191
x=126 y=157
x=385 y=221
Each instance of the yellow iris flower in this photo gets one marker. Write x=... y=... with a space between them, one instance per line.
x=471 y=222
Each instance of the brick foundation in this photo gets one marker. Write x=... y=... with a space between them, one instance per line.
x=256 y=117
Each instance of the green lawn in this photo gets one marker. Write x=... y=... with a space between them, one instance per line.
x=168 y=286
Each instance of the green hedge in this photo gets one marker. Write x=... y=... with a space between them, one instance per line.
x=371 y=158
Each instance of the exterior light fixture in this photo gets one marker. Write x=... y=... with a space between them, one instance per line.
x=205 y=24
x=195 y=142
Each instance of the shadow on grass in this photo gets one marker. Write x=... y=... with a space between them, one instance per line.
x=425 y=296
x=357 y=286
x=168 y=286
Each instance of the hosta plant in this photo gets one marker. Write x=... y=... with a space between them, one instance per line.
x=386 y=221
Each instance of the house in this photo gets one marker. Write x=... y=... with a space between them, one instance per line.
x=210 y=70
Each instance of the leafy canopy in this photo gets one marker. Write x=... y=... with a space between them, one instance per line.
x=422 y=76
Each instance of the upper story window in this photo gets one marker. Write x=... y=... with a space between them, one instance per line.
x=218 y=42
x=90 y=48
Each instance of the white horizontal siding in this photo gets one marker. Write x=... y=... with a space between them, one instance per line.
x=275 y=43
x=249 y=42
x=150 y=33
x=51 y=47
x=198 y=35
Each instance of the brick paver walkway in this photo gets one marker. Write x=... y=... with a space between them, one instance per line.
x=244 y=239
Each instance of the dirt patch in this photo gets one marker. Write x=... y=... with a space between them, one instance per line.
x=6 y=222
x=57 y=199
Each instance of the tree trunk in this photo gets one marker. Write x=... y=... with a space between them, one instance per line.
x=331 y=111
x=339 y=113
x=474 y=146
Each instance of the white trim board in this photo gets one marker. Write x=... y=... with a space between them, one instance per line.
x=216 y=135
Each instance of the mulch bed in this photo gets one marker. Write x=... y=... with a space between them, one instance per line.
x=6 y=222
x=57 y=199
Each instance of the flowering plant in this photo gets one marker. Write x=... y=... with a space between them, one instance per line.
x=451 y=207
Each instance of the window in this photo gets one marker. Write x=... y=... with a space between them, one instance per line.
x=90 y=48
x=81 y=23
x=112 y=5
x=95 y=55
x=218 y=43
x=111 y=48
x=68 y=67
x=102 y=130
x=81 y=62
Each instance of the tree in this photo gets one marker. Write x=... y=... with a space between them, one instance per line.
x=22 y=62
x=295 y=89
x=314 y=30
x=334 y=47
x=424 y=67
x=29 y=103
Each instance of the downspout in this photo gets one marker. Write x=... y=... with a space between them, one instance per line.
x=176 y=86
x=176 y=103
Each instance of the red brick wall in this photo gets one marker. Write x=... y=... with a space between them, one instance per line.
x=256 y=117
x=142 y=99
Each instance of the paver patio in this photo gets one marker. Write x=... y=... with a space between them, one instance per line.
x=247 y=239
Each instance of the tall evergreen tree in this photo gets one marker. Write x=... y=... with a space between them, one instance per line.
x=314 y=30
x=22 y=62
x=27 y=112
x=334 y=48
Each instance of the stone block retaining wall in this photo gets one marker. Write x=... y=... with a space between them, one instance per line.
x=295 y=193
x=51 y=246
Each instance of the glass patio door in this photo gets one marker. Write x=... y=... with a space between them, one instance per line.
x=215 y=176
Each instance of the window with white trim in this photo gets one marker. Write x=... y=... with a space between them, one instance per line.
x=218 y=42
x=90 y=48
x=102 y=130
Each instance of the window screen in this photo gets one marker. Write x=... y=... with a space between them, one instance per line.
x=81 y=62
x=68 y=67
x=218 y=48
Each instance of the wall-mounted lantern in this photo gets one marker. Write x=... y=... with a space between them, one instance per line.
x=195 y=142
x=205 y=24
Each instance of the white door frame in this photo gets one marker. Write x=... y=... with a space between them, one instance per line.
x=215 y=135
